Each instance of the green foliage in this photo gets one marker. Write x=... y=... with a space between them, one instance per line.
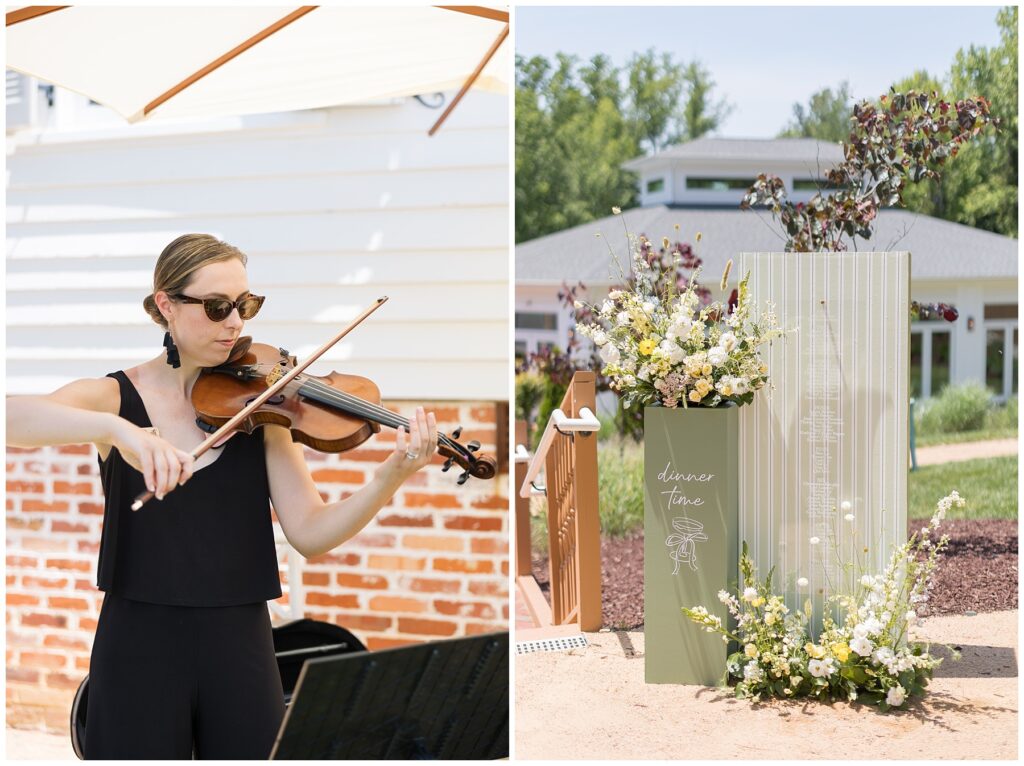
x=620 y=471
x=826 y=117
x=577 y=123
x=955 y=409
x=902 y=139
x=980 y=188
x=991 y=484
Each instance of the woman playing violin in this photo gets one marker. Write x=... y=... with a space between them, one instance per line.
x=183 y=657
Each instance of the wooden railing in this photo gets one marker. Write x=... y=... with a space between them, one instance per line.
x=567 y=453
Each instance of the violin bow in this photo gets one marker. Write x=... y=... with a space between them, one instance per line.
x=280 y=383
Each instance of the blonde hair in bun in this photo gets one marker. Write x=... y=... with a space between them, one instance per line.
x=180 y=260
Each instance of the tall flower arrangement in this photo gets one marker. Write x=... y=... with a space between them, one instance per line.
x=661 y=345
x=865 y=655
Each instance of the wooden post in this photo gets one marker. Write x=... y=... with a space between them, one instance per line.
x=523 y=553
x=588 y=540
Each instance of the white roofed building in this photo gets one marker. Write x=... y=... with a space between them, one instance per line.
x=699 y=185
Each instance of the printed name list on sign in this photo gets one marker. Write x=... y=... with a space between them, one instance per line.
x=690 y=547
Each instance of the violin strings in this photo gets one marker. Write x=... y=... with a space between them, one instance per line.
x=328 y=395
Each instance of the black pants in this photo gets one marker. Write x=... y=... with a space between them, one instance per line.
x=165 y=681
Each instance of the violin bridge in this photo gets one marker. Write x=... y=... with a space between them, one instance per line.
x=275 y=375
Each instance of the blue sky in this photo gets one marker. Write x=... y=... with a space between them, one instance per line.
x=764 y=59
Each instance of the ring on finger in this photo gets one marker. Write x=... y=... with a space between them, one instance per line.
x=410 y=455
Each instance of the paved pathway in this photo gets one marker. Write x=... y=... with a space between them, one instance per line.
x=949 y=453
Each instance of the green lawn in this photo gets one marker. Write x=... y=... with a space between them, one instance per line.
x=989 y=485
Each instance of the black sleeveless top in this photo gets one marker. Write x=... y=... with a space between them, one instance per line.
x=207 y=543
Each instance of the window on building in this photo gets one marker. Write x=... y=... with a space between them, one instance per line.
x=1013 y=383
x=916 y=341
x=656 y=185
x=931 y=354
x=535 y=320
x=995 y=340
x=940 y=361
x=719 y=184
x=811 y=184
x=1000 y=311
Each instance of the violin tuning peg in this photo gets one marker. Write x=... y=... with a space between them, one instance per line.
x=447 y=464
x=457 y=432
x=473 y=446
x=463 y=478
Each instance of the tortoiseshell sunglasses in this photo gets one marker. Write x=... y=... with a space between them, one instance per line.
x=219 y=309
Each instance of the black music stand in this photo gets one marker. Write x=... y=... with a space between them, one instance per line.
x=441 y=700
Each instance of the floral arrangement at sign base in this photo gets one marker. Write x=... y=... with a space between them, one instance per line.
x=660 y=346
x=865 y=656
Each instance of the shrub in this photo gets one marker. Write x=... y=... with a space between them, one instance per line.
x=957 y=408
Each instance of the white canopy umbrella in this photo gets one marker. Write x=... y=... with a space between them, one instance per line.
x=195 y=61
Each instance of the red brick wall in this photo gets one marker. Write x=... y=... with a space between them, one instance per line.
x=433 y=564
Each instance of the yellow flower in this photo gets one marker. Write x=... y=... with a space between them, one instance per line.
x=763 y=369
x=841 y=652
x=695 y=396
x=750 y=650
x=759 y=601
x=769 y=619
x=706 y=369
x=704 y=386
x=646 y=347
x=815 y=651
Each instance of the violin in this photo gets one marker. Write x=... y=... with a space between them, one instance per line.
x=261 y=384
x=330 y=413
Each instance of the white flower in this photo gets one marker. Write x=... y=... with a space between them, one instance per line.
x=815 y=541
x=749 y=594
x=802 y=582
x=717 y=356
x=752 y=672
x=610 y=354
x=648 y=307
x=883 y=655
x=577 y=305
x=849 y=517
x=600 y=338
x=911 y=617
x=741 y=385
x=623 y=318
x=820 y=668
x=727 y=341
x=862 y=646
x=873 y=626
x=846 y=505
x=896 y=695
x=867 y=581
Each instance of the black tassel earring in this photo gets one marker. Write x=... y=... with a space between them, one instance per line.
x=172 y=351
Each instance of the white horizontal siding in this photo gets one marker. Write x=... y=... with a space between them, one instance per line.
x=333 y=207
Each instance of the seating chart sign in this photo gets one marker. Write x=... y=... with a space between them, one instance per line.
x=690 y=543
x=823 y=456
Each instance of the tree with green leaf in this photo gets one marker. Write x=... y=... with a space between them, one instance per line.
x=576 y=124
x=826 y=117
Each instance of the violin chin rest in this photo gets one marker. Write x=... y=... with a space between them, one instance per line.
x=240 y=349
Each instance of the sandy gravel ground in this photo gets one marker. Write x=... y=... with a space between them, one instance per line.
x=592 y=703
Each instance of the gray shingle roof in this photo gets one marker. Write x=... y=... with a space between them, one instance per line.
x=761 y=149
x=939 y=249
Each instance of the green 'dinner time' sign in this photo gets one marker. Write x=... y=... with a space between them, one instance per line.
x=690 y=544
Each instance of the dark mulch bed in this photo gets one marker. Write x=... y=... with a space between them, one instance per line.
x=979 y=572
